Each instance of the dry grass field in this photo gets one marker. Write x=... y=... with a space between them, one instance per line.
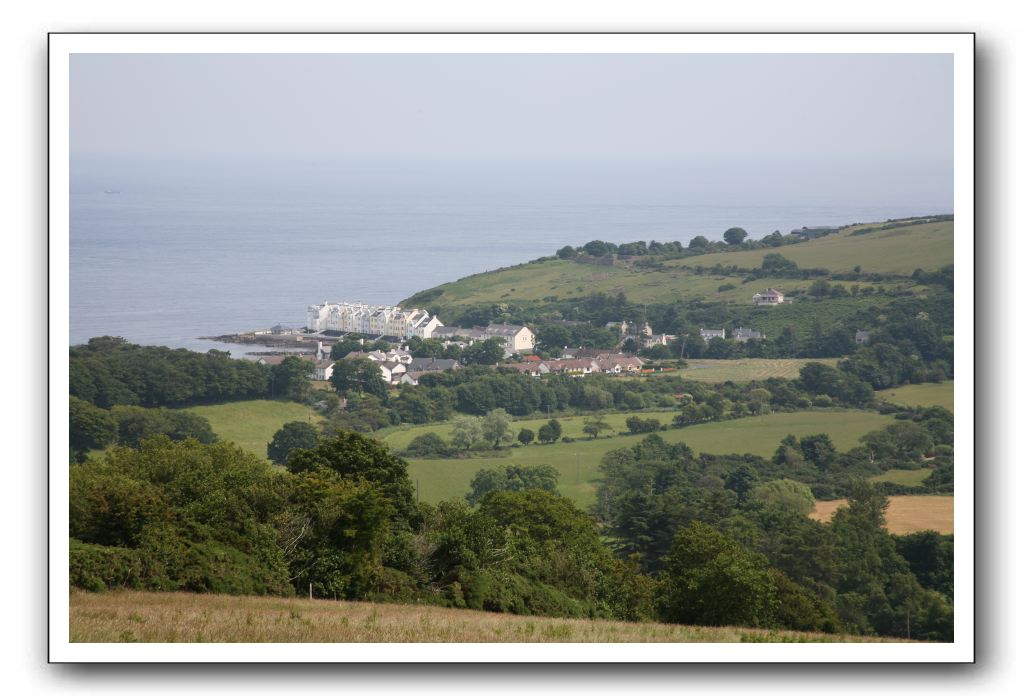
x=906 y=513
x=118 y=617
x=747 y=369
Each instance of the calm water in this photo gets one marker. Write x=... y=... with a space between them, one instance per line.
x=165 y=268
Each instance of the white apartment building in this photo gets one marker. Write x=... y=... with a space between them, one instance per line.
x=372 y=320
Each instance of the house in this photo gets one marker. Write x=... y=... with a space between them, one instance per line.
x=769 y=297
x=432 y=364
x=358 y=317
x=616 y=364
x=862 y=337
x=322 y=370
x=516 y=338
x=707 y=334
x=392 y=371
x=742 y=335
x=579 y=366
x=657 y=340
x=584 y=352
x=531 y=368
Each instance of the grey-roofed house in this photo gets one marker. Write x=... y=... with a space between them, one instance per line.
x=862 y=336
x=742 y=335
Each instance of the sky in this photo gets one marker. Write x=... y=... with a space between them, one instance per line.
x=865 y=126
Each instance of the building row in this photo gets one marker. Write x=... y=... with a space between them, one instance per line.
x=740 y=334
x=602 y=363
x=516 y=338
x=372 y=320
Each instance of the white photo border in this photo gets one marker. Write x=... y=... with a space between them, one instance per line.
x=63 y=45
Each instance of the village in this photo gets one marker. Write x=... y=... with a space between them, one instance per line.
x=375 y=326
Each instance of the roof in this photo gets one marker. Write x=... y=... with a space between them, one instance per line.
x=432 y=364
x=504 y=329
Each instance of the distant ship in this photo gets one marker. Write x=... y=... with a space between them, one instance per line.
x=109 y=191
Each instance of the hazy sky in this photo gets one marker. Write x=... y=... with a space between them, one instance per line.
x=867 y=123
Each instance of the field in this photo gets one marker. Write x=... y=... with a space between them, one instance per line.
x=252 y=424
x=747 y=369
x=901 y=250
x=119 y=617
x=904 y=477
x=927 y=394
x=906 y=513
x=578 y=462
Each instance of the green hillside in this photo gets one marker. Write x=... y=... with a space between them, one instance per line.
x=897 y=251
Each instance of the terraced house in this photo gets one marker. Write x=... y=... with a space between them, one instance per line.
x=372 y=320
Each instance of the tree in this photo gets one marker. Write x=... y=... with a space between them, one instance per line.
x=343 y=347
x=550 y=431
x=291 y=436
x=741 y=481
x=635 y=424
x=496 y=428
x=290 y=379
x=466 y=432
x=428 y=446
x=512 y=478
x=710 y=579
x=818 y=450
x=526 y=436
x=358 y=375
x=487 y=352
x=735 y=235
x=91 y=427
x=776 y=263
x=598 y=248
x=355 y=457
x=567 y=252
x=698 y=242
x=787 y=493
x=594 y=425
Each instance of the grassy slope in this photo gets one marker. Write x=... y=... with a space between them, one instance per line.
x=905 y=477
x=578 y=462
x=900 y=250
x=927 y=246
x=252 y=424
x=906 y=513
x=927 y=394
x=180 y=617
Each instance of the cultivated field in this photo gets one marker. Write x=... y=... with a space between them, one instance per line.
x=927 y=394
x=747 y=369
x=118 y=617
x=252 y=424
x=901 y=250
x=578 y=462
x=906 y=513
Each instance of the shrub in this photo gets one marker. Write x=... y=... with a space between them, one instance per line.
x=429 y=446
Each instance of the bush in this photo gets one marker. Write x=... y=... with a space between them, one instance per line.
x=429 y=446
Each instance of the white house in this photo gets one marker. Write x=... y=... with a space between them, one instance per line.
x=742 y=335
x=862 y=336
x=769 y=297
x=373 y=320
x=322 y=370
x=707 y=334
x=516 y=338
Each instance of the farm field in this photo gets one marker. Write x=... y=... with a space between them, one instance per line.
x=252 y=424
x=747 y=369
x=901 y=250
x=904 y=477
x=927 y=394
x=124 y=616
x=906 y=513
x=578 y=462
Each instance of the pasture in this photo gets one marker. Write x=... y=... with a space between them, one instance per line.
x=747 y=369
x=906 y=513
x=578 y=462
x=926 y=394
x=176 y=617
x=901 y=250
x=903 y=477
x=252 y=424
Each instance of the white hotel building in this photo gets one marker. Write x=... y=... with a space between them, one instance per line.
x=357 y=317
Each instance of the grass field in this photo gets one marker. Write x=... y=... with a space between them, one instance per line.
x=578 y=462
x=927 y=394
x=252 y=424
x=906 y=513
x=747 y=369
x=119 y=617
x=901 y=250
x=904 y=477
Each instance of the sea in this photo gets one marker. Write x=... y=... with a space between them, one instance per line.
x=166 y=266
